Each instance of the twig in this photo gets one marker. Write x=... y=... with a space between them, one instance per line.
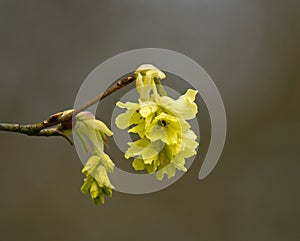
x=42 y=128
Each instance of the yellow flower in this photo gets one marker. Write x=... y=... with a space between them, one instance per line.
x=184 y=107
x=146 y=75
x=92 y=135
x=166 y=128
x=160 y=121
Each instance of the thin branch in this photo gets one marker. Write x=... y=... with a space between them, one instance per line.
x=30 y=130
x=42 y=128
x=121 y=83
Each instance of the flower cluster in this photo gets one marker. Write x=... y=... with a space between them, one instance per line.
x=166 y=138
x=92 y=135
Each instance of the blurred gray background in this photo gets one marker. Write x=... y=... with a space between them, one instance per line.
x=251 y=50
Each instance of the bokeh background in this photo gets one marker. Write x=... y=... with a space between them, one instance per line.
x=251 y=50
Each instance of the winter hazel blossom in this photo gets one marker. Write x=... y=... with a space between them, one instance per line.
x=166 y=138
x=92 y=135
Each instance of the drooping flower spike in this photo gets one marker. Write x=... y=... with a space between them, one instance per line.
x=92 y=135
x=166 y=139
